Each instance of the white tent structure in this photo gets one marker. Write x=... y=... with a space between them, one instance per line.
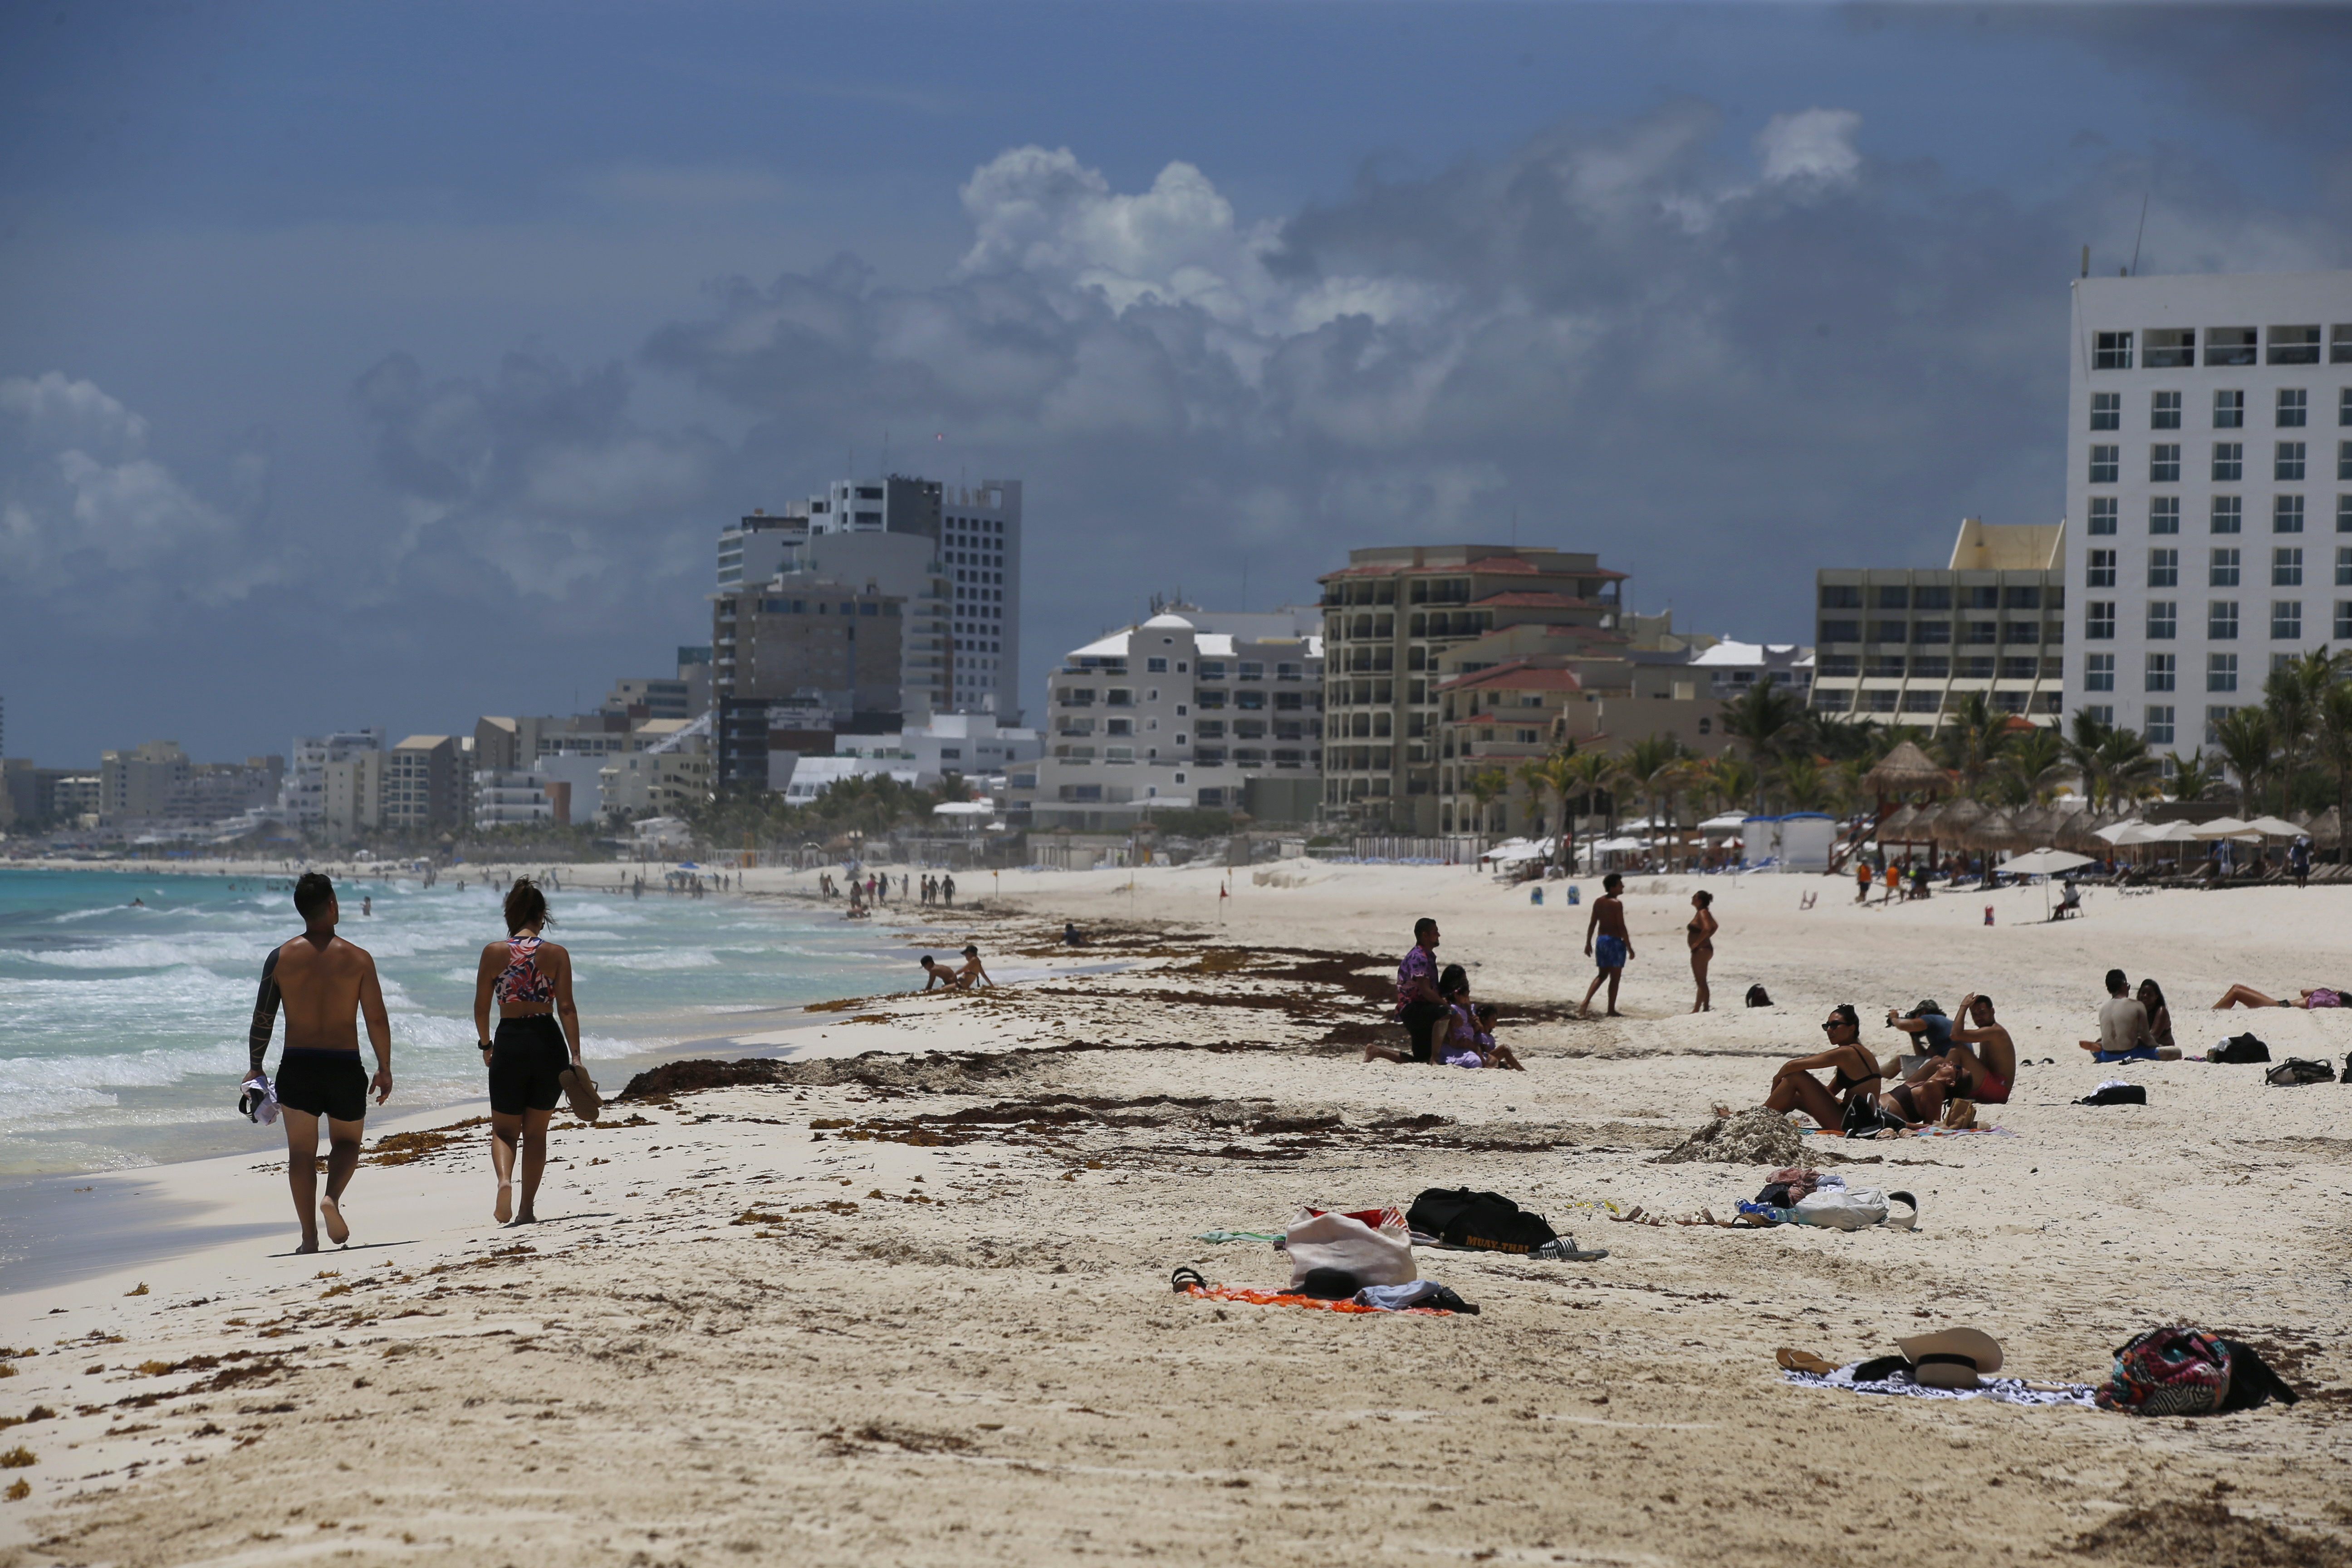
x=1798 y=842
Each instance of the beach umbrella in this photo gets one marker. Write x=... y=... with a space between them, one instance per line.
x=2044 y=862
x=2272 y=827
x=1954 y=820
x=1898 y=824
x=1993 y=830
x=2220 y=827
x=2077 y=830
x=2121 y=832
x=2327 y=829
x=1904 y=769
x=2035 y=823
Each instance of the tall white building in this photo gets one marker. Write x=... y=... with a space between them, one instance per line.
x=1190 y=708
x=303 y=796
x=952 y=553
x=2209 y=458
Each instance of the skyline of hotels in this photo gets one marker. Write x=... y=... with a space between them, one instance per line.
x=874 y=627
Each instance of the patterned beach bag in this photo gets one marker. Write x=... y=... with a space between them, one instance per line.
x=2169 y=1371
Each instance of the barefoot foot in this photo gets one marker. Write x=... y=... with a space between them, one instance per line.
x=309 y=1244
x=337 y=1231
x=505 y=1209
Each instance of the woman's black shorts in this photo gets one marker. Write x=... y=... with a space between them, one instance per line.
x=526 y=1055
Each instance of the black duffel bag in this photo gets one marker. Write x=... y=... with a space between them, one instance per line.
x=1489 y=1222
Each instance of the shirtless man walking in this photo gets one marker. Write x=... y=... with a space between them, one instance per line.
x=1615 y=944
x=323 y=982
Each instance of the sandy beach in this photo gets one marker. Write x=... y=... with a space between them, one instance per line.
x=905 y=1298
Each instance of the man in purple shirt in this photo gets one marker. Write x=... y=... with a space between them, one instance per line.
x=1418 y=1004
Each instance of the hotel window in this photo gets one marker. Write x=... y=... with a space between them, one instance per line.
x=2286 y=514
x=2227 y=513
x=2339 y=347
x=2099 y=672
x=2222 y=570
x=2163 y=620
x=2113 y=350
x=2343 y=397
x=1886 y=665
x=2344 y=459
x=2229 y=410
x=2019 y=668
x=2164 y=568
x=1834 y=596
x=1840 y=631
x=2221 y=620
x=2286 y=461
x=2221 y=672
x=2163 y=409
x=2168 y=348
x=2213 y=721
x=1937 y=631
x=2343 y=567
x=2101 y=570
x=2100 y=712
x=2164 y=463
x=2344 y=514
x=2099 y=620
x=2294 y=402
x=2230 y=345
x=2107 y=411
x=2286 y=568
x=2103 y=512
x=1984 y=631
x=2342 y=619
x=1975 y=669
x=2286 y=620
x=1893 y=598
x=2164 y=514
x=2106 y=464
x=1939 y=597
x=2294 y=345
x=2229 y=462
x=1927 y=667
x=2158 y=731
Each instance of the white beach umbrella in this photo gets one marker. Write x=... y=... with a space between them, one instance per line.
x=2121 y=832
x=2046 y=862
x=2272 y=827
x=2220 y=827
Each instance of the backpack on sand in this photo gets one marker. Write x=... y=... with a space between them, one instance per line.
x=2181 y=1371
x=2297 y=1070
x=1489 y=1222
x=2241 y=1048
x=1758 y=996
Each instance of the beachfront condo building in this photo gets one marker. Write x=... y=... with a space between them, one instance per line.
x=1400 y=620
x=426 y=784
x=302 y=799
x=2209 y=486
x=1904 y=645
x=1190 y=708
x=952 y=553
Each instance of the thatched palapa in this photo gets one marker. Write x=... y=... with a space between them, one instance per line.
x=1906 y=769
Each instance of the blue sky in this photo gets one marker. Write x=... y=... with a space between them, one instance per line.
x=393 y=365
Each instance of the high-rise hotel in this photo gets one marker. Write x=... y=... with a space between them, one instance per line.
x=2208 y=491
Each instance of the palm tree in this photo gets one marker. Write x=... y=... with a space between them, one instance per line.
x=2082 y=751
x=1483 y=787
x=2032 y=766
x=2243 y=738
x=2132 y=771
x=1733 y=781
x=2334 y=744
x=1589 y=773
x=2291 y=697
x=1647 y=766
x=1549 y=781
x=1769 y=720
x=1972 y=742
x=1804 y=782
x=2194 y=777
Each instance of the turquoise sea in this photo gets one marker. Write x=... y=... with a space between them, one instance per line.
x=123 y=1027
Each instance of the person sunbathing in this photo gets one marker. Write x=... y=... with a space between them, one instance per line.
x=1854 y=1073
x=2318 y=996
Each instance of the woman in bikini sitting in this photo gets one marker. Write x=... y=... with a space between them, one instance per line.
x=2318 y=996
x=2159 y=1016
x=1701 y=931
x=1853 y=1072
x=533 y=1059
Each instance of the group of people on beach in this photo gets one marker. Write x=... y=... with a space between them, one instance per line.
x=1611 y=946
x=1966 y=1058
x=1428 y=998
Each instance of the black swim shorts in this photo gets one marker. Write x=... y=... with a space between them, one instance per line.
x=323 y=1083
x=526 y=1055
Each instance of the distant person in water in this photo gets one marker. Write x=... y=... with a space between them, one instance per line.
x=325 y=985
x=367 y=905
x=534 y=1061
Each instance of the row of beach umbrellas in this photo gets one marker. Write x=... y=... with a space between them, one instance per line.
x=1967 y=825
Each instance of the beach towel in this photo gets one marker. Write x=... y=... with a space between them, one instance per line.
x=1916 y=1132
x=2002 y=1390
x=1239 y=1235
x=1316 y=1303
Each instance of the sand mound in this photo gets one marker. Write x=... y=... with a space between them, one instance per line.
x=2208 y=1535
x=1753 y=1136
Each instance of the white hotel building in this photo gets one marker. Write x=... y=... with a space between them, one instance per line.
x=2208 y=482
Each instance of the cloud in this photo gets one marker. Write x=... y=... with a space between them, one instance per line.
x=1813 y=144
x=82 y=504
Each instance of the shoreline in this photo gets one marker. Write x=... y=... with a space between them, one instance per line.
x=906 y=1299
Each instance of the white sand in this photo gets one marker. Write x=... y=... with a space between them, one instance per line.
x=1001 y=1374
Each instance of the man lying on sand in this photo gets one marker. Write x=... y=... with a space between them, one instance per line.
x=324 y=983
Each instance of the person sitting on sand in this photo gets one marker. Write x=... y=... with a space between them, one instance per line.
x=972 y=975
x=2318 y=996
x=1419 y=1007
x=2123 y=1025
x=1986 y=1073
x=324 y=983
x=1497 y=1054
x=533 y=1059
x=940 y=973
x=2159 y=1016
x=1613 y=948
x=1854 y=1073
x=1072 y=936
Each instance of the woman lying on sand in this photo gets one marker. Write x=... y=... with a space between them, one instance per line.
x=1854 y=1073
x=2247 y=996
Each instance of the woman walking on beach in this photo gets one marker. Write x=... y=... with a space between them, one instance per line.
x=531 y=1064
x=1701 y=930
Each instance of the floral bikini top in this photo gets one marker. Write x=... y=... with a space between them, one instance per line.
x=521 y=981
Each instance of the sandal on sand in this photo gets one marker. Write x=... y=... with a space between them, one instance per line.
x=1628 y=1216
x=504 y=1211
x=1184 y=1280
x=579 y=1090
x=1803 y=1360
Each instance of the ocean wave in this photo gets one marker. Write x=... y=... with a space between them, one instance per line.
x=668 y=958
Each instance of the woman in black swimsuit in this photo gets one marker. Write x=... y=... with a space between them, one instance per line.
x=1853 y=1072
x=1701 y=931
x=534 y=1058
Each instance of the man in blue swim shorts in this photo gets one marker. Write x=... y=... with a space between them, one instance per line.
x=1607 y=943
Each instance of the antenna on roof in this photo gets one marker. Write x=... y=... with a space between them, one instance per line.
x=2134 y=270
x=2086 y=261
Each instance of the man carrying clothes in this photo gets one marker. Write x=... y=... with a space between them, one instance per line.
x=323 y=982
x=1613 y=945
x=1419 y=1007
